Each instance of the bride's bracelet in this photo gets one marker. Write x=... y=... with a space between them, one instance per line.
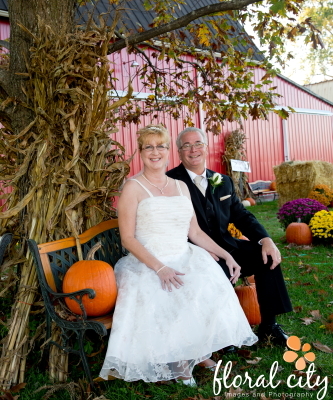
x=160 y=269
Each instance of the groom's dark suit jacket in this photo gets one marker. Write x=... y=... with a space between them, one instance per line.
x=214 y=214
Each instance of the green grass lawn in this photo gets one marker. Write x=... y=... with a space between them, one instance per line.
x=309 y=278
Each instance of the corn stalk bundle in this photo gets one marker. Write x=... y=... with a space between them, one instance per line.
x=234 y=145
x=64 y=167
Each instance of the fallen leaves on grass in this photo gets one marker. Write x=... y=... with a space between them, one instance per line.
x=298 y=309
x=316 y=314
x=244 y=353
x=322 y=347
x=8 y=396
x=255 y=361
x=329 y=326
x=17 y=388
x=307 y=320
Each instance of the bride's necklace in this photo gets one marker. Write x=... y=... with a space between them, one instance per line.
x=161 y=190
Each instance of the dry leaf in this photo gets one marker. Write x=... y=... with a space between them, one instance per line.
x=18 y=387
x=244 y=353
x=298 y=309
x=316 y=277
x=322 y=347
x=330 y=317
x=329 y=326
x=316 y=314
x=244 y=367
x=307 y=320
x=255 y=361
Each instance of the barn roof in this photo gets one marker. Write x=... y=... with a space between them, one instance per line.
x=4 y=5
x=135 y=16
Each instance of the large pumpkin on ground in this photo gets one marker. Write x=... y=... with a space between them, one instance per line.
x=298 y=233
x=247 y=296
x=96 y=275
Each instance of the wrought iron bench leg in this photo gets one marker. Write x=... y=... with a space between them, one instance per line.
x=80 y=336
x=46 y=351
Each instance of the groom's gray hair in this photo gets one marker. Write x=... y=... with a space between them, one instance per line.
x=190 y=129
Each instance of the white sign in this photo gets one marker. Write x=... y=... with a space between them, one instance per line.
x=241 y=166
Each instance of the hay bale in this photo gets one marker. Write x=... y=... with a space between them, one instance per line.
x=295 y=179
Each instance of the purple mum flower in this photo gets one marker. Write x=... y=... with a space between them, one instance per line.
x=300 y=208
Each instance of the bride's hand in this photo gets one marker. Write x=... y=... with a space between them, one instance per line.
x=169 y=275
x=234 y=269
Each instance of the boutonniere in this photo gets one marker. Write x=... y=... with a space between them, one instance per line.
x=216 y=180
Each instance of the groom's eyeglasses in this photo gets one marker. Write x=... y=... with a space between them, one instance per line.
x=188 y=146
x=150 y=148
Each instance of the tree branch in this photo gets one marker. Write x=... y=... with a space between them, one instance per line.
x=180 y=22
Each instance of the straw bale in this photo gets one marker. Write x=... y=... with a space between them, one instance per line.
x=295 y=179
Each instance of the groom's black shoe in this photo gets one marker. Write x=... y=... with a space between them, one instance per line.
x=274 y=333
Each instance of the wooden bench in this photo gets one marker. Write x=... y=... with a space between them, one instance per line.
x=52 y=260
x=261 y=188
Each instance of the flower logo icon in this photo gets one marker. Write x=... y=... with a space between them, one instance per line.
x=294 y=343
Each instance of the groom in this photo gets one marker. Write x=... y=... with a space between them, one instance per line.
x=214 y=211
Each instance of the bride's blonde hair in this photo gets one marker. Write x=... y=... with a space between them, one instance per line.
x=153 y=130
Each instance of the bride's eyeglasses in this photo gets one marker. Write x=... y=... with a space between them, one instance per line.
x=149 y=148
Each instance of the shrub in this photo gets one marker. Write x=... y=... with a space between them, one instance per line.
x=321 y=193
x=304 y=209
x=321 y=226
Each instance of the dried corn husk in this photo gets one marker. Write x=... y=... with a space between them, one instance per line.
x=235 y=150
x=64 y=167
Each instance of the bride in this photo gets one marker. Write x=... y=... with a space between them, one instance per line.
x=175 y=305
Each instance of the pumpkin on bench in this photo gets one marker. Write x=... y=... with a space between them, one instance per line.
x=52 y=260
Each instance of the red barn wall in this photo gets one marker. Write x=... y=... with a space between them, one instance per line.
x=310 y=136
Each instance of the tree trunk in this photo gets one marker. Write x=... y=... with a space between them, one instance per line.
x=53 y=193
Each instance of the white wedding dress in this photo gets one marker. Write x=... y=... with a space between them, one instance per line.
x=160 y=335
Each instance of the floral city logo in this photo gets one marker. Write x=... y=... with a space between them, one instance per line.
x=294 y=343
x=307 y=379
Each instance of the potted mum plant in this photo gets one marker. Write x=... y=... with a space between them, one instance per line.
x=303 y=209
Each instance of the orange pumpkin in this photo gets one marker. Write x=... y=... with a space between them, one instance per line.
x=272 y=186
x=251 y=279
x=251 y=201
x=91 y=274
x=298 y=233
x=247 y=296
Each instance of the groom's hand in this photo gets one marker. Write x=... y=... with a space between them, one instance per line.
x=269 y=249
